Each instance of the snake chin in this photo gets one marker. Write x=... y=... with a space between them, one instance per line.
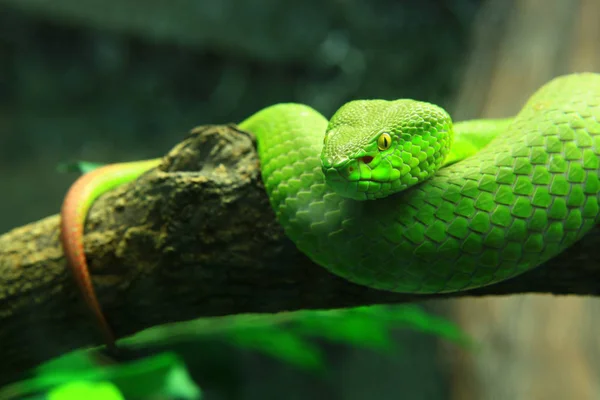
x=355 y=189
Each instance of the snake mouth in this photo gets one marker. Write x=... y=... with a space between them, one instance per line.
x=366 y=159
x=335 y=176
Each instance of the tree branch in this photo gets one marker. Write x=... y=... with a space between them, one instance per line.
x=196 y=238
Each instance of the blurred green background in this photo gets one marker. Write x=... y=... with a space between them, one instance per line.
x=121 y=80
x=106 y=81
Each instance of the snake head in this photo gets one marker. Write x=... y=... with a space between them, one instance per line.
x=374 y=148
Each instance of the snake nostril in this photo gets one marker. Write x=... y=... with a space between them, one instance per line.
x=366 y=159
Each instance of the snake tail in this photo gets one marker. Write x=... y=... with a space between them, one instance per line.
x=77 y=202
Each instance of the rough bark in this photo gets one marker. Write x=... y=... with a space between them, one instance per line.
x=193 y=238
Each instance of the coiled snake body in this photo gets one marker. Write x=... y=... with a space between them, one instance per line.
x=393 y=195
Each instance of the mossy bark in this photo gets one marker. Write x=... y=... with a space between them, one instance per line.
x=195 y=237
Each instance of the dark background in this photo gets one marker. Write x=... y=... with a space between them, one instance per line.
x=113 y=81
x=86 y=81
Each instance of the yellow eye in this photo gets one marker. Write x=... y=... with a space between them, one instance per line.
x=384 y=141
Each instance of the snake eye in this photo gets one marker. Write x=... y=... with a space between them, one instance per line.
x=384 y=141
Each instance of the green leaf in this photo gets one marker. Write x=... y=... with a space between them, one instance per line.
x=83 y=167
x=86 y=390
x=350 y=326
x=281 y=344
x=286 y=335
x=80 y=361
x=163 y=374
x=416 y=318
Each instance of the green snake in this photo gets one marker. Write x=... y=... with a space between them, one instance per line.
x=395 y=196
